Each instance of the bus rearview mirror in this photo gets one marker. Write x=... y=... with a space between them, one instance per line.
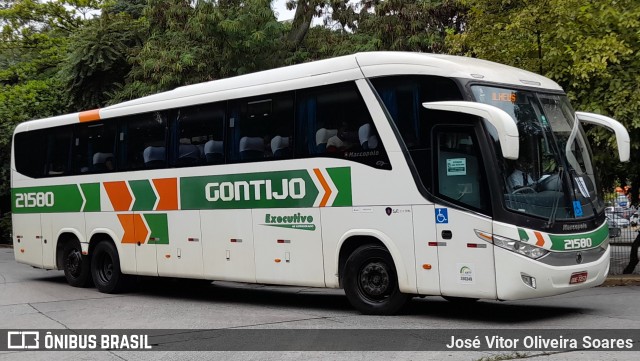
x=501 y=120
x=622 y=136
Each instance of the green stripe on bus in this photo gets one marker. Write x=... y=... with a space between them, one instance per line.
x=144 y=195
x=56 y=199
x=159 y=228
x=285 y=189
x=50 y=199
x=92 y=195
x=570 y=242
x=341 y=177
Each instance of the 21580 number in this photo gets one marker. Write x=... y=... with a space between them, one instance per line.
x=577 y=243
x=35 y=199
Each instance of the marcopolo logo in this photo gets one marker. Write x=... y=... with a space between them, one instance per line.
x=295 y=221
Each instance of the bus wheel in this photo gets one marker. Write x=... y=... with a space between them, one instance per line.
x=371 y=282
x=105 y=269
x=76 y=267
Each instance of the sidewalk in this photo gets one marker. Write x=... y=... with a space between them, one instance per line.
x=622 y=280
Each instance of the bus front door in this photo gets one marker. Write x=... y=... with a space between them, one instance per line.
x=465 y=258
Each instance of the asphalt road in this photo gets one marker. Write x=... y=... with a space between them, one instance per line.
x=37 y=299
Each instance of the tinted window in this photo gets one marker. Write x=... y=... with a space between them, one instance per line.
x=261 y=128
x=334 y=121
x=460 y=172
x=143 y=142
x=403 y=97
x=58 y=150
x=94 y=147
x=29 y=150
x=200 y=133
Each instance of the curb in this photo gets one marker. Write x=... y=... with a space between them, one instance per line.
x=622 y=280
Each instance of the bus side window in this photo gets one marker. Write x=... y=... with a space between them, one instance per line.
x=94 y=147
x=334 y=121
x=200 y=131
x=58 y=151
x=143 y=141
x=262 y=128
x=29 y=151
x=459 y=167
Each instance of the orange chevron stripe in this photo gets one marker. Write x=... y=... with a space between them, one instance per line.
x=127 y=223
x=167 y=189
x=89 y=115
x=118 y=195
x=141 y=231
x=540 y=242
x=325 y=186
x=135 y=231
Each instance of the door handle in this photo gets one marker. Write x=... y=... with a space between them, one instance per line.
x=447 y=234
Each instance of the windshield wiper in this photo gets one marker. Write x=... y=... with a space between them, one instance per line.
x=552 y=216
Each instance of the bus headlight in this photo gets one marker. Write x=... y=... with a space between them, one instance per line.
x=525 y=249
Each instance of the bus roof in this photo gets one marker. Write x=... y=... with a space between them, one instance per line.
x=344 y=68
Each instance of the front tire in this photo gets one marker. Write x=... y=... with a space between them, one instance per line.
x=371 y=282
x=105 y=269
x=77 y=268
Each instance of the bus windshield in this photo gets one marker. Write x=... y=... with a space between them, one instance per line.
x=553 y=176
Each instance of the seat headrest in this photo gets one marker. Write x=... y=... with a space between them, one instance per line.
x=153 y=153
x=213 y=146
x=251 y=143
x=279 y=142
x=323 y=134
x=365 y=135
x=101 y=158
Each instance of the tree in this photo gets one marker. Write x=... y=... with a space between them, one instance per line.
x=194 y=42
x=33 y=39
x=97 y=64
x=590 y=48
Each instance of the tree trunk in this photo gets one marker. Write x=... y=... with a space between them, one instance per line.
x=305 y=10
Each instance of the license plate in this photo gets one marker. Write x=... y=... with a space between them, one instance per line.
x=578 y=277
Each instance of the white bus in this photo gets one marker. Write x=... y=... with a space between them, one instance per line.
x=387 y=174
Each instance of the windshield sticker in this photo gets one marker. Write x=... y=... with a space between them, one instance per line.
x=582 y=186
x=577 y=208
x=456 y=166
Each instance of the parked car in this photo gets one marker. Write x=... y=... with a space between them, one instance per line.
x=618 y=211
x=617 y=221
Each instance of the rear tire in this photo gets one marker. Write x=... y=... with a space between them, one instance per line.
x=77 y=268
x=371 y=282
x=105 y=269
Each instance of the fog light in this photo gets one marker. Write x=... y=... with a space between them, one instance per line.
x=528 y=280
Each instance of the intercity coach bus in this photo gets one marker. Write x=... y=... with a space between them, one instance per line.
x=387 y=174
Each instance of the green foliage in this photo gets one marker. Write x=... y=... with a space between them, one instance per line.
x=589 y=47
x=404 y=25
x=98 y=61
x=190 y=43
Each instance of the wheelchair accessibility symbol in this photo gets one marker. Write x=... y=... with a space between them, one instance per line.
x=442 y=216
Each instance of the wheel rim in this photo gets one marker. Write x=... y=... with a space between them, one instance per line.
x=105 y=268
x=73 y=263
x=374 y=281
